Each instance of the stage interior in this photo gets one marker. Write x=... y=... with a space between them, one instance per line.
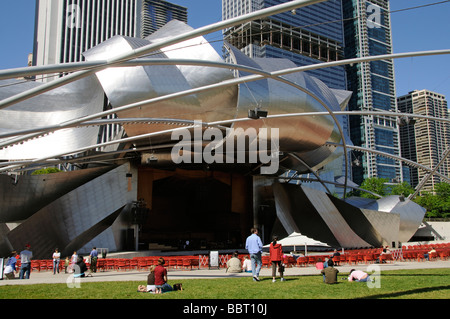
x=209 y=209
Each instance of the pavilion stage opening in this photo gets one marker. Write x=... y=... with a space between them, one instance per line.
x=206 y=209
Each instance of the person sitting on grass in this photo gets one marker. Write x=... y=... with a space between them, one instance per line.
x=161 y=277
x=330 y=273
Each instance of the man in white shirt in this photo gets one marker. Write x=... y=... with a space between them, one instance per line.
x=25 y=262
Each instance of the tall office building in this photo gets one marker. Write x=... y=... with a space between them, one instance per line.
x=64 y=29
x=425 y=141
x=308 y=35
x=67 y=28
x=300 y=36
x=367 y=30
x=156 y=13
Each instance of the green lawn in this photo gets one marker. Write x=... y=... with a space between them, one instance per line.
x=399 y=284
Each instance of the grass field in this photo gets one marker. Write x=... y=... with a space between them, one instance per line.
x=398 y=284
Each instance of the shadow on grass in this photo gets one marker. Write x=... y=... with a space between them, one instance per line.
x=408 y=292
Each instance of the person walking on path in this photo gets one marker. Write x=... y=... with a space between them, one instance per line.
x=276 y=257
x=25 y=262
x=254 y=246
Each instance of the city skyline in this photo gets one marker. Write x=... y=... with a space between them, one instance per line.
x=416 y=26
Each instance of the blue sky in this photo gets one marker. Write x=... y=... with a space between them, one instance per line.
x=420 y=29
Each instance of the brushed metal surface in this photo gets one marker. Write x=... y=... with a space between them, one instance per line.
x=76 y=218
x=411 y=214
x=340 y=224
x=23 y=195
x=71 y=101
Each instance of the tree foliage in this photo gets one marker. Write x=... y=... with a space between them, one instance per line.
x=438 y=204
x=48 y=170
x=374 y=185
x=402 y=189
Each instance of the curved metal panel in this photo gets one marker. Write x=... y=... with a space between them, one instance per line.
x=411 y=214
x=74 y=100
x=219 y=103
x=124 y=86
x=338 y=223
x=297 y=133
x=73 y=217
x=23 y=195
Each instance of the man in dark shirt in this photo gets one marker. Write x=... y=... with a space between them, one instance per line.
x=330 y=273
x=94 y=256
x=335 y=257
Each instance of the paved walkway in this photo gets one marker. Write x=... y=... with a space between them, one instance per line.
x=47 y=277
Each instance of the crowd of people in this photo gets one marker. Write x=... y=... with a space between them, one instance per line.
x=253 y=264
x=157 y=281
x=76 y=264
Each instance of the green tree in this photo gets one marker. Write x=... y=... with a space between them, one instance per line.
x=375 y=185
x=442 y=190
x=48 y=170
x=438 y=204
x=402 y=189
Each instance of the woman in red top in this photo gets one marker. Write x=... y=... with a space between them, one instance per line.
x=161 y=277
x=276 y=257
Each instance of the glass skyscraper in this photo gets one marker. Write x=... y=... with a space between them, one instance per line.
x=308 y=35
x=367 y=31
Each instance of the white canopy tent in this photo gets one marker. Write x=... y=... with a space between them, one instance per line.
x=298 y=240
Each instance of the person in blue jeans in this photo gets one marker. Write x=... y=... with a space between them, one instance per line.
x=25 y=261
x=254 y=246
